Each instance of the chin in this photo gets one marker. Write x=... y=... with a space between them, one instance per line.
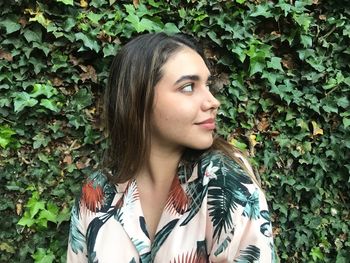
x=202 y=145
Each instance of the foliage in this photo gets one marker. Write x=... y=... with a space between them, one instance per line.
x=282 y=75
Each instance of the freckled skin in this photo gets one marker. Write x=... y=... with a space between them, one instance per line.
x=178 y=108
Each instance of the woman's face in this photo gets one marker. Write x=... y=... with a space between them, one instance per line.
x=184 y=108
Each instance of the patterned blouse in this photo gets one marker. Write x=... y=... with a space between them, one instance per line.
x=214 y=213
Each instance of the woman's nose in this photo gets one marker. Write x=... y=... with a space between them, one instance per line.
x=210 y=102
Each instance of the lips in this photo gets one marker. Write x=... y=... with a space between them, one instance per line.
x=208 y=124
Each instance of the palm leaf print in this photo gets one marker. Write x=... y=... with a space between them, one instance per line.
x=224 y=243
x=143 y=226
x=178 y=200
x=252 y=208
x=197 y=192
x=97 y=194
x=248 y=255
x=139 y=244
x=93 y=229
x=131 y=193
x=226 y=193
x=77 y=239
x=266 y=228
x=146 y=258
x=91 y=196
x=266 y=215
x=161 y=236
x=192 y=257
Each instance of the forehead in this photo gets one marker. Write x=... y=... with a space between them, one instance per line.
x=185 y=61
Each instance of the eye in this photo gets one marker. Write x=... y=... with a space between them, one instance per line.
x=209 y=85
x=187 y=88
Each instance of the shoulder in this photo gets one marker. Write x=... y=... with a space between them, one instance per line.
x=217 y=166
x=96 y=192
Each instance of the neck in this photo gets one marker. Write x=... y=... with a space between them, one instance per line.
x=161 y=166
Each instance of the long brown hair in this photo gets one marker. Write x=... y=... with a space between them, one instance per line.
x=129 y=97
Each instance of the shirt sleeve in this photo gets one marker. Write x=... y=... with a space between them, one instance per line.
x=240 y=225
x=76 y=252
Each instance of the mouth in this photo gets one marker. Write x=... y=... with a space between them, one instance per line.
x=208 y=124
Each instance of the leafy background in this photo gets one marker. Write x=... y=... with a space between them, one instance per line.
x=282 y=75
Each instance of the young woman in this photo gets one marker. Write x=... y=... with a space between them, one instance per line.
x=170 y=190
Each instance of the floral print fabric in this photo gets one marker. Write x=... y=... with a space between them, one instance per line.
x=214 y=213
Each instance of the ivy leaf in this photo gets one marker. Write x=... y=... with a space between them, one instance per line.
x=275 y=63
x=11 y=25
x=256 y=65
x=63 y=216
x=346 y=122
x=303 y=20
x=26 y=220
x=49 y=104
x=240 y=145
x=88 y=41
x=22 y=100
x=5 y=136
x=66 y=2
x=262 y=10
x=306 y=41
x=343 y=102
x=171 y=28
x=109 y=50
x=43 y=89
x=40 y=140
x=35 y=205
x=38 y=16
x=49 y=214
x=43 y=256
x=94 y=18
x=33 y=35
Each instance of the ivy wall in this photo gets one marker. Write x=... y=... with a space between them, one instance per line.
x=282 y=75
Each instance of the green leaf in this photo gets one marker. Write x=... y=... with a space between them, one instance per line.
x=44 y=158
x=49 y=104
x=50 y=214
x=110 y=50
x=22 y=100
x=34 y=204
x=171 y=28
x=306 y=41
x=343 y=102
x=6 y=136
x=346 y=122
x=66 y=2
x=256 y=66
x=33 y=35
x=26 y=220
x=43 y=89
x=303 y=20
x=95 y=18
x=89 y=42
x=238 y=144
x=43 y=256
x=275 y=63
x=316 y=254
x=63 y=216
x=261 y=10
x=11 y=25
x=40 y=140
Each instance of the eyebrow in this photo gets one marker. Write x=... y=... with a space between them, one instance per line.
x=190 y=77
